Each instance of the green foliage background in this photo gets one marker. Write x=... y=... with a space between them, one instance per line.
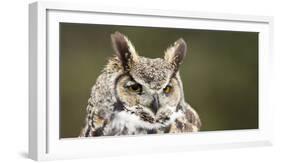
x=220 y=72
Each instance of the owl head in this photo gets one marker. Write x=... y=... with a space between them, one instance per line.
x=149 y=88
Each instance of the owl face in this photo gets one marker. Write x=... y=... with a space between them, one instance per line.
x=148 y=88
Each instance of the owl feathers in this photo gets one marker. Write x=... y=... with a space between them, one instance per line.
x=138 y=95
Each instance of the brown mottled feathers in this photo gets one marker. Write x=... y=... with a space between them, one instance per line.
x=189 y=123
x=130 y=96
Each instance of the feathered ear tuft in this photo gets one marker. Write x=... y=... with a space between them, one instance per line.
x=176 y=53
x=124 y=50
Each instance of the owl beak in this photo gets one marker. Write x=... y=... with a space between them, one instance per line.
x=155 y=104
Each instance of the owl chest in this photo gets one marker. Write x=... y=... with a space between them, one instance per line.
x=128 y=124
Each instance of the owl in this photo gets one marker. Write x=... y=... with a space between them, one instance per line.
x=138 y=95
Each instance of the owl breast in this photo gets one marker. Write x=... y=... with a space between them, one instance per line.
x=128 y=123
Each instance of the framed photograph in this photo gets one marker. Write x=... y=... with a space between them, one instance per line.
x=109 y=81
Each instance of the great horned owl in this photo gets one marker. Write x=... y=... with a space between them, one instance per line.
x=139 y=95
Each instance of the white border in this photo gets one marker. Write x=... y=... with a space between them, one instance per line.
x=44 y=142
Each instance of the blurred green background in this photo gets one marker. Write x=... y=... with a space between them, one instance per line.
x=220 y=72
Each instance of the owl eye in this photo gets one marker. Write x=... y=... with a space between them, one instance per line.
x=135 y=88
x=167 y=89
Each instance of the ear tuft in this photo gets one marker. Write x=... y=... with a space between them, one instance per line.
x=176 y=53
x=124 y=50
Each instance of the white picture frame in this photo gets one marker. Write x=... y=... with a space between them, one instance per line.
x=44 y=141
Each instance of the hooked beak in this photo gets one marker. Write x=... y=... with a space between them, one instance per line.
x=155 y=103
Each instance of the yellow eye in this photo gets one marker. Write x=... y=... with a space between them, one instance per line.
x=167 y=89
x=135 y=88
